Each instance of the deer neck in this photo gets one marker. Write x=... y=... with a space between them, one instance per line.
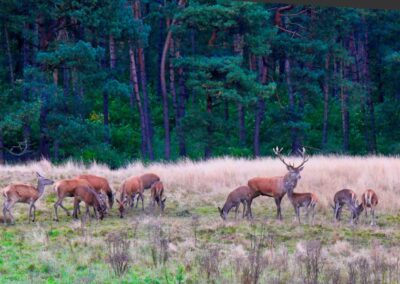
x=289 y=183
x=40 y=188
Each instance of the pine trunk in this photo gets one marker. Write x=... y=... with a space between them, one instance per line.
x=208 y=148
x=326 y=103
x=135 y=93
x=344 y=108
x=9 y=56
x=292 y=114
x=260 y=107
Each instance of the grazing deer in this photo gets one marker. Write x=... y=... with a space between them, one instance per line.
x=66 y=188
x=22 y=193
x=149 y=179
x=157 y=191
x=100 y=184
x=277 y=187
x=129 y=189
x=369 y=199
x=349 y=198
x=91 y=199
x=307 y=200
x=242 y=194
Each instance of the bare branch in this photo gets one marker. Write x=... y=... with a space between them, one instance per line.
x=20 y=149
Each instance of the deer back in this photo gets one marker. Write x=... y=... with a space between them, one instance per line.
x=272 y=186
x=369 y=198
x=21 y=192
x=67 y=187
x=149 y=179
x=157 y=189
x=97 y=183
x=132 y=185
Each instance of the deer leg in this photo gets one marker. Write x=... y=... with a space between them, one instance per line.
x=9 y=206
x=373 y=216
x=34 y=212
x=76 y=206
x=249 y=213
x=236 y=210
x=298 y=214
x=5 y=204
x=278 y=208
x=244 y=208
x=141 y=197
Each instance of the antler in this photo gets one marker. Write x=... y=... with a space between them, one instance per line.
x=22 y=146
x=277 y=152
x=302 y=153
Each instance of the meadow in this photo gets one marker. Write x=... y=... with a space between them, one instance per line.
x=190 y=243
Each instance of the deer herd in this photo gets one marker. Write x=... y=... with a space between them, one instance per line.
x=95 y=191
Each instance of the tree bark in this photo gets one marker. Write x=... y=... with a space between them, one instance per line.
x=260 y=107
x=113 y=56
x=135 y=91
x=292 y=114
x=143 y=83
x=9 y=56
x=344 y=108
x=326 y=103
x=208 y=148
x=2 y=161
x=26 y=128
x=167 y=148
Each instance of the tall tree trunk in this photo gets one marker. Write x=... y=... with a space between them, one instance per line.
x=344 y=108
x=164 y=87
x=2 y=161
x=326 y=103
x=113 y=55
x=143 y=83
x=260 y=107
x=26 y=128
x=181 y=113
x=135 y=91
x=208 y=148
x=371 y=146
x=292 y=113
x=238 y=42
x=9 y=56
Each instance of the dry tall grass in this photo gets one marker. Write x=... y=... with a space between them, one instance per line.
x=192 y=183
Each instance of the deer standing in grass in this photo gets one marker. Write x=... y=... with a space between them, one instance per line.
x=147 y=180
x=307 y=199
x=100 y=184
x=241 y=195
x=369 y=199
x=277 y=187
x=349 y=198
x=157 y=192
x=91 y=199
x=23 y=193
x=66 y=188
x=129 y=189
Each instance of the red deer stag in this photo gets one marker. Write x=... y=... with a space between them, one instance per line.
x=22 y=193
x=369 y=199
x=157 y=192
x=242 y=194
x=100 y=184
x=349 y=198
x=277 y=187
x=66 y=188
x=129 y=188
x=307 y=200
x=91 y=199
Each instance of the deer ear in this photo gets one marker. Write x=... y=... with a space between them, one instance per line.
x=38 y=175
x=219 y=210
x=300 y=169
x=163 y=200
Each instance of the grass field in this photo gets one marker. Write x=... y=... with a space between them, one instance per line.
x=191 y=244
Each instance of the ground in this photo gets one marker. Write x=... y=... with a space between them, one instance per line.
x=190 y=243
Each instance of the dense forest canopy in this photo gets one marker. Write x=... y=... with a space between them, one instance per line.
x=116 y=80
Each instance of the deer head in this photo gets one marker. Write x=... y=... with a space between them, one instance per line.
x=222 y=213
x=293 y=174
x=121 y=206
x=43 y=181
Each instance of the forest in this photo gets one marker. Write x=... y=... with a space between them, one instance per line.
x=114 y=80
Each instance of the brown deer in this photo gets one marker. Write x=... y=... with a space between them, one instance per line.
x=369 y=199
x=66 y=188
x=277 y=187
x=307 y=200
x=241 y=195
x=349 y=198
x=91 y=199
x=23 y=193
x=129 y=189
x=157 y=192
x=148 y=180
x=100 y=184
